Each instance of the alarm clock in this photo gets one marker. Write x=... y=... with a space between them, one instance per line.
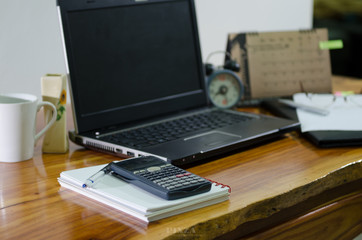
x=224 y=87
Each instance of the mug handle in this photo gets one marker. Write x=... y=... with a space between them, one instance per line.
x=50 y=123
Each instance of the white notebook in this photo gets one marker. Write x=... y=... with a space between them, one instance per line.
x=133 y=200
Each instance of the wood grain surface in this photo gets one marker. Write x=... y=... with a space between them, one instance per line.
x=326 y=222
x=276 y=184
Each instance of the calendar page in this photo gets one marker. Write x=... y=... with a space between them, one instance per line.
x=275 y=64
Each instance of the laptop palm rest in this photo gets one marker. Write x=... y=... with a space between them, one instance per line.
x=211 y=139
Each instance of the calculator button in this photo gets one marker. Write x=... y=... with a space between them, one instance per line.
x=153 y=169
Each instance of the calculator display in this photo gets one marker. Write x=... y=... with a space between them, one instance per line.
x=141 y=163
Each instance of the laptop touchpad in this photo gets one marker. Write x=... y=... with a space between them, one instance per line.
x=212 y=139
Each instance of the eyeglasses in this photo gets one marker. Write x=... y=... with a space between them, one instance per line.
x=329 y=100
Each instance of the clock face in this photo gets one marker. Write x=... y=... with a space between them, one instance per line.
x=224 y=89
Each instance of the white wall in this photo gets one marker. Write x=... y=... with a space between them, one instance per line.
x=217 y=18
x=30 y=44
x=30 y=40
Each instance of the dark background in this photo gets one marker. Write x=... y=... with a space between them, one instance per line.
x=343 y=18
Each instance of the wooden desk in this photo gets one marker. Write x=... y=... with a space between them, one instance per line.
x=284 y=189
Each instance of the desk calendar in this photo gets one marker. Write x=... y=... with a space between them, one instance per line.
x=275 y=64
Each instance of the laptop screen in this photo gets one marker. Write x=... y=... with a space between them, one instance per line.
x=130 y=61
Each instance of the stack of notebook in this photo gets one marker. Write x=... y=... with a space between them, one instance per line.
x=134 y=201
x=325 y=138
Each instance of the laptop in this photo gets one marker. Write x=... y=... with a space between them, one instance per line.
x=136 y=63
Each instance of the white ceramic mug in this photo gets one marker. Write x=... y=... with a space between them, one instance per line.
x=18 y=125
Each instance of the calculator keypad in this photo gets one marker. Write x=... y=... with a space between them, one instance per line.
x=170 y=177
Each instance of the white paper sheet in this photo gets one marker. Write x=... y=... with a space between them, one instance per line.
x=345 y=112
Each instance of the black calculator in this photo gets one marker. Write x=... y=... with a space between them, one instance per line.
x=160 y=178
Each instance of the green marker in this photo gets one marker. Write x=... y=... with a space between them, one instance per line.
x=331 y=44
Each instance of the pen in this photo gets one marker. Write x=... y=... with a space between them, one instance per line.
x=304 y=107
x=92 y=179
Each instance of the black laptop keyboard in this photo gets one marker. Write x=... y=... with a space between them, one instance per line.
x=174 y=129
